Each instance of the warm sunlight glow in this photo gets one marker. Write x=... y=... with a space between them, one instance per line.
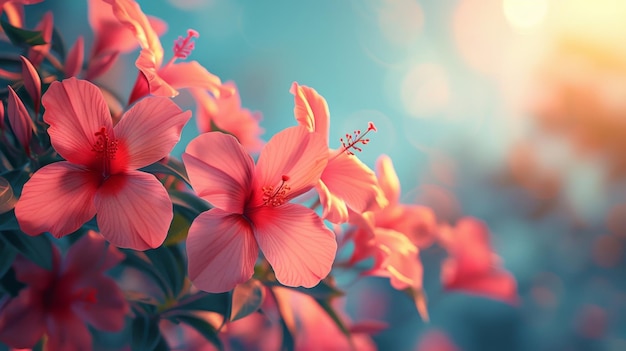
x=525 y=14
x=425 y=90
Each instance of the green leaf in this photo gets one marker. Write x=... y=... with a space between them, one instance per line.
x=202 y=301
x=36 y=248
x=145 y=333
x=203 y=327
x=246 y=299
x=321 y=291
x=140 y=261
x=419 y=297
x=8 y=222
x=10 y=284
x=22 y=37
x=7 y=255
x=168 y=266
x=179 y=229
x=140 y=297
x=159 y=167
x=193 y=204
x=58 y=45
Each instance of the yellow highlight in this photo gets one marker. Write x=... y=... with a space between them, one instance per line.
x=525 y=14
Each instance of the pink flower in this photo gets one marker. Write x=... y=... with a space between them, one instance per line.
x=418 y=223
x=252 y=211
x=100 y=174
x=226 y=114
x=472 y=266
x=60 y=303
x=112 y=37
x=346 y=182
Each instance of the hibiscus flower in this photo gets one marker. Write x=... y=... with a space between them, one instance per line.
x=346 y=183
x=61 y=302
x=252 y=210
x=100 y=174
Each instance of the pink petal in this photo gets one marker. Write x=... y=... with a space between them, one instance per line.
x=418 y=223
x=403 y=264
x=147 y=64
x=2 y=117
x=37 y=53
x=22 y=319
x=32 y=82
x=100 y=64
x=67 y=333
x=150 y=129
x=334 y=208
x=75 y=57
x=75 y=111
x=14 y=12
x=191 y=75
x=134 y=210
x=295 y=242
x=34 y=276
x=223 y=177
x=495 y=284
x=90 y=255
x=311 y=109
x=38 y=209
x=221 y=251
x=207 y=109
x=388 y=179
x=129 y=13
x=111 y=35
x=108 y=311
x=19 y=120
x=295 y=153
x=352 y=181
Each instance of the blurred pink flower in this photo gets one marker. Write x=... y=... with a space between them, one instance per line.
x=37 y=53
x=252 y=210
x=346 y=181
x=225 y=113
x=472 y=266
x=60 y=303
x=100 y=172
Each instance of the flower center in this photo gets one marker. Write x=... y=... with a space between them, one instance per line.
x=105 y=149
x=276 y=196
x=87 y=295
x=353 y=141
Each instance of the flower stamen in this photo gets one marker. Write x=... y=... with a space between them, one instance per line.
x=105 y=148
x=276 y=196
x=184 y=46
x=351 y=141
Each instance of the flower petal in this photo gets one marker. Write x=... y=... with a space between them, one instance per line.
x=67 y=333
x=418 y=223
x=75 y=58
x=402 y=265
x=221 y=251
x=147 y=64
x=57 y=199
x=19 y=120
x=334 y=208
x=150 y=129
x=37 y=53
x=134 y=210
x=223 y=177
x=108 y=310
x=311 y=109
x=295 y=242
x=129 y=13
x=75 y=111
x=22 y=319
x=191 y=75
x=352 y=181
x=293 y=152
x=388 y=179
x=32 y=82
x=34 y=276
x=90 y=255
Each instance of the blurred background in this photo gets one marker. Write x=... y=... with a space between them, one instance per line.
x=512 y=111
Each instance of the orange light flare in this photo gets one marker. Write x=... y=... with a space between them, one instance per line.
x=580 y=82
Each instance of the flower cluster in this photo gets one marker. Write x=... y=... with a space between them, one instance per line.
x=212 y=239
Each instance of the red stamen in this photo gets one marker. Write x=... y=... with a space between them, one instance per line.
x=184 y=46
x=105 y=148
x=276 y=197
x=351 y=141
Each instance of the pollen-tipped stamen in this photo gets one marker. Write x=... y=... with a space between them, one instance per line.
x=276 y=196
x=184 y=46
x=351 y=141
